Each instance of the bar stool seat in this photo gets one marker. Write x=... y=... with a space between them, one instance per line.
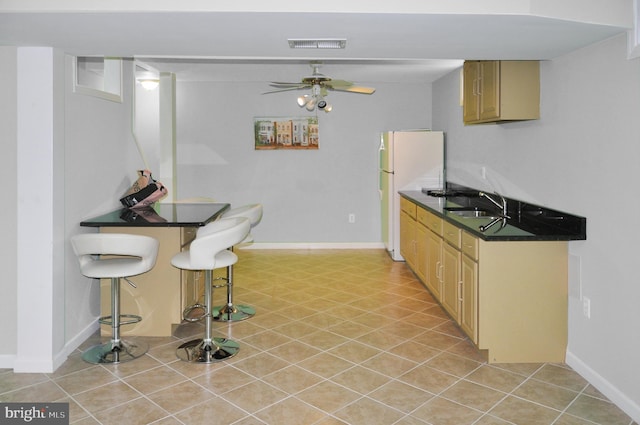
x=209 y=251
x=235 y=312
x=115 y=256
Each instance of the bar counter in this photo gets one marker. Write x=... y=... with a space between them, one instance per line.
x=163 y=292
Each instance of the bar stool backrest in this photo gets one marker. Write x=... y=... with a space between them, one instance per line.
x=139 y=252
x=215 y=237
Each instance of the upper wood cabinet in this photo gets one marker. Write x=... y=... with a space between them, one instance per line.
x=495 y=91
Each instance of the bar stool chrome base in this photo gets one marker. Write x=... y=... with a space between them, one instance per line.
x=116 y=352
x=198 y=351
x=233 y=313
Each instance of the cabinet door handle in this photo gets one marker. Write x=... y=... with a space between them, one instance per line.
x=479 y=86
x=460 y=286
x=438 y=270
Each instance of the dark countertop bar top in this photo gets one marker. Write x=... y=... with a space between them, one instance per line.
x=527 y=222
x=160 y=215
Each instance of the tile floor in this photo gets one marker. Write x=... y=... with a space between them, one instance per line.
x=340 y=337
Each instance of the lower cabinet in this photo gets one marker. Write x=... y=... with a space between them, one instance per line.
x=450 y=298
x=468 y=318
x=509 y=297
x=433 y=260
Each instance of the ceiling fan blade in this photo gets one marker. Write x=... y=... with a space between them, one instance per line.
x=355 y=89
x=281 y=84
x=285 y=89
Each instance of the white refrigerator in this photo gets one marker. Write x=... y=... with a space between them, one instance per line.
x=409 y=160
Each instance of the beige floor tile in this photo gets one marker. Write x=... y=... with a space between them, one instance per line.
x=561 y=376
x=428 y=379
x=212 y=411
x=341 y=337
x=367 y=411
x=292 y=379
x=546 y=394
x=136 y=412
x=41 y=392
x=261 y=364
x=180 y=397
x=389 y=364
x=106 y=396
x=85 y=380
x=290 y=411
x=453 y=364
x=15 y=381
x=437 y=340
x=400 y=396
x=473 y=395
x=254 y=396
x=323 y=340
x=328 y=396
x=414 y=351
x=354 y=351
x=266 y=340
x=154 y=380
x=223 y=379
x=325 y=365
x=522 y=412
x=294 y=351
x=439 y=411
x=496 y=378
x=598 y=411
x=360 y=379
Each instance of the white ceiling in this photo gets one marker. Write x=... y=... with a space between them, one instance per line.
x=384 y=46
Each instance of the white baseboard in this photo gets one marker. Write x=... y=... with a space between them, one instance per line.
x=48 y=365
x=629 y=406
x=313 y=245
x=7 y=361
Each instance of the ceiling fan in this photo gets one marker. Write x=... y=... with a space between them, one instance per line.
x=320 y=85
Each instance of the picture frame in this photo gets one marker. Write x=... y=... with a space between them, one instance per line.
x=291 y=133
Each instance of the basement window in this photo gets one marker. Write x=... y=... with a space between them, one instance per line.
x=98 y=77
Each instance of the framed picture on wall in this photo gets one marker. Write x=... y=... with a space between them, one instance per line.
x=272 y=133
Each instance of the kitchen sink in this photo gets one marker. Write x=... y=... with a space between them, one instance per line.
x=472 y=212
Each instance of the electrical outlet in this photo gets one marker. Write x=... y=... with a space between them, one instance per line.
x=352 y=218
x=586 y=307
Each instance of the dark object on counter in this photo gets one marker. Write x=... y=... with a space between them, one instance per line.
x=449 y=193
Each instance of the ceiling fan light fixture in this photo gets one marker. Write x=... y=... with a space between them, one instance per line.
x=320 y=43
x=302 y=100
x=311 y=104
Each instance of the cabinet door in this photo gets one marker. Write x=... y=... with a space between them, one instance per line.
x=434 y=263
x=470 y=83
x=451 y=278
x=407 y=238
x=489 y=90
x=469 y=298
x=421 y=252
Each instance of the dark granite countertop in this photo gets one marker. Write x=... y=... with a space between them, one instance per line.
x=527 y=222
x=160 y=215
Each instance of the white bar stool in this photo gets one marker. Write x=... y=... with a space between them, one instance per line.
x=233 y=312
x=115 y=256
x=210 y=251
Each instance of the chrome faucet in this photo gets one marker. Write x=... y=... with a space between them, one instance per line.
x=503 y=207
x=502 y=204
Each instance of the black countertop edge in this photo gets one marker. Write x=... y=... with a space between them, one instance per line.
x=527 y=222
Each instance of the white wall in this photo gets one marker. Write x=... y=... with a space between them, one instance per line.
x=8 y=216
x=100 y=162
x=71 y=156
x=581 y=157
x=307 y=195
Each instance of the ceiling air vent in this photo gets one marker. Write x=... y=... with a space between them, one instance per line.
x=323 y=43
